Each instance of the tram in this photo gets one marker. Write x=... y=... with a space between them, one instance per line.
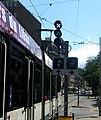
x=21 y=73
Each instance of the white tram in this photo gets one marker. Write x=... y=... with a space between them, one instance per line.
x=21 y=73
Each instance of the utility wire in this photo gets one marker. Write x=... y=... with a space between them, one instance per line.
x=77 y=19
x=38 y=15
x=68 y=31
x=50 y=4
x=34 y=8
x=75 y=34
x=45 y=10
x=53 y=3
x=95 y=35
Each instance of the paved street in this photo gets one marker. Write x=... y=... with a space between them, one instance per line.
x=87 y=109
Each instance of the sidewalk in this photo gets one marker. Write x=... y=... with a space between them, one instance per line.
x=87 y=109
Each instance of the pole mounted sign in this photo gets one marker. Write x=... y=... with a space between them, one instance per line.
x=58 y=66
x=65 y=66
x=71 y=66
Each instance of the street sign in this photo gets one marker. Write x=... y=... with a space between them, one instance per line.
x=58 y=66
x=65 y=66
x=71 y=67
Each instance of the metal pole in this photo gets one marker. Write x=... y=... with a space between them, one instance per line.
x=43 y=82
x=51 y=106
x=78 y=95
x=33 y=90
x=66 y=84
x=100 y=80
x=57 y=86
x=57 y=95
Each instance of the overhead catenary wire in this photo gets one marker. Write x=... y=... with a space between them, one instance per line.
x=44 y=10
x=61 y=2
x=77 y=19
x=38 y=15
x=44 y=19
x=49 y=5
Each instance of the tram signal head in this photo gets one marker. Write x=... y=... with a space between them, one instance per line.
x=58 y=41
x=72 y=63
x=58 y=24
x=57 y=33
x=58 y=63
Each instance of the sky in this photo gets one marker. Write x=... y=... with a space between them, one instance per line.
x=81 y=23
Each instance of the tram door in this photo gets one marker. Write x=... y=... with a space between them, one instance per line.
x=3 y=51
x=29 y=67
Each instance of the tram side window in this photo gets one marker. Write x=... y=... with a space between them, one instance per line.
x=47 y=86
x=53 y=85
x=38 y=90
x=16 y=82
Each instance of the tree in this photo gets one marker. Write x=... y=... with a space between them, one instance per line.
x=91 y=73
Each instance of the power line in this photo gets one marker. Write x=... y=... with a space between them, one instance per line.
x=68 y=31
x=45 y=10
x=61 y=2
x=50 y=4
x=95 y=35
x=75 y=34
x=34 y=8
x=80 y=43
x=77 y=19
x=38 y=15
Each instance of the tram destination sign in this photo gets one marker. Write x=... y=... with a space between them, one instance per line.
x=10 y=25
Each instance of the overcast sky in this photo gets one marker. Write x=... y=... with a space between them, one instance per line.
x=84 y=52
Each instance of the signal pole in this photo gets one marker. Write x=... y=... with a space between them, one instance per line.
x=57 y=41
x=66 y=83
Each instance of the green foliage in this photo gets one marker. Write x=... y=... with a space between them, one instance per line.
x=90 y=72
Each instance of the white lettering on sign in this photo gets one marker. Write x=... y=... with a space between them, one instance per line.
x=3 y=15
x=23 y=34
x=13 y=24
